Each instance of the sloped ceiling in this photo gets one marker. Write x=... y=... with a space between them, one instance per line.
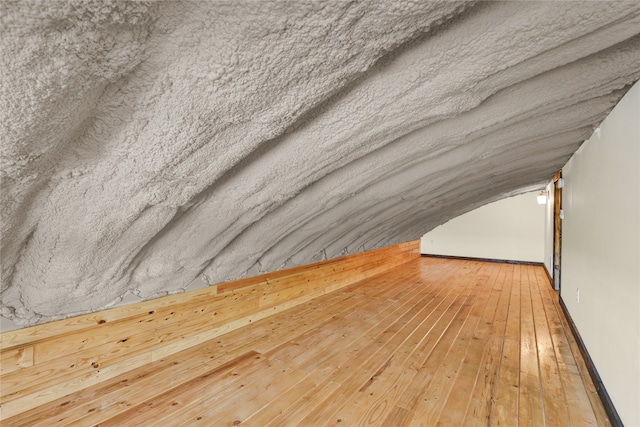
x=150 y=147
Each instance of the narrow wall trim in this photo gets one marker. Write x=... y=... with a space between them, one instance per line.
x=614 y=418
x=465 y=258
x=549 y=276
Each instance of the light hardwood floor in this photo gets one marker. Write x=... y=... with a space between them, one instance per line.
x=431 y=342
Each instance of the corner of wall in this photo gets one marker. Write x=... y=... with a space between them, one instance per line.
x=600 y=251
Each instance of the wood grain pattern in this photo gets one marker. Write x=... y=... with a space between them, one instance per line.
x=432 y=342
x=16 y=359
x=46 y=362
x=531 y=408
x=504 y=405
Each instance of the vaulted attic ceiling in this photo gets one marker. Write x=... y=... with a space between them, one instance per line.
x=148 y=147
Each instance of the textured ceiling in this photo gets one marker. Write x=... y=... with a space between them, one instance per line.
x=152 y=147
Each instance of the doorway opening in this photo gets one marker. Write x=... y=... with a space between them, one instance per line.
x=558 y=183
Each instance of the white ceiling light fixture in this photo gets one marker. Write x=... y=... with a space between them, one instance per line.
x=542 y=197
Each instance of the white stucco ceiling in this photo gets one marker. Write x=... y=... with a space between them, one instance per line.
x=148 y=147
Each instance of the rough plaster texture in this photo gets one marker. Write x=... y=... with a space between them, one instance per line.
x=151 y=147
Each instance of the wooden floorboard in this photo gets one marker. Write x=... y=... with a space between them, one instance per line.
x=433 y=342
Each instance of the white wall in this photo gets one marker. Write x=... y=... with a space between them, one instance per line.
x=510 y=229
x=601 y=251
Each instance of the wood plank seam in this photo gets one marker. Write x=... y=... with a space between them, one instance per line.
x=431 y=342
